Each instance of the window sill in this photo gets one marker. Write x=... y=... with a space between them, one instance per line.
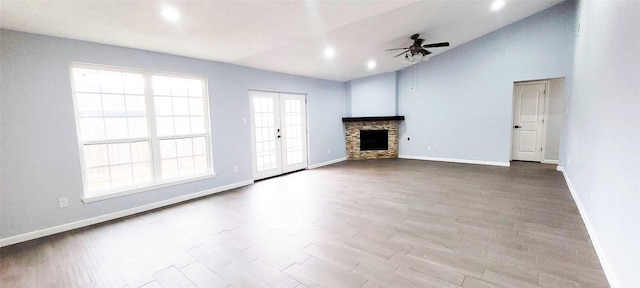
x=138 y=189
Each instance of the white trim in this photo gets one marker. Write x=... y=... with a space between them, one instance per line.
x=334 y=161
x=543 y=145
x=606 y=266
x=466 y=161
x=119 y=214
x=547 y=161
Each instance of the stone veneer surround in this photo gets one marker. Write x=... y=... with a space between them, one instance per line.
x=353 y=139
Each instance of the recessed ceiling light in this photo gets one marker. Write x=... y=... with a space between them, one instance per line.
x=170 y=14
x=329 y=52
x=371 y=64
x=497 y=5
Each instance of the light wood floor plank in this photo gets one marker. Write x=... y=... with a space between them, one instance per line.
x=379 y=223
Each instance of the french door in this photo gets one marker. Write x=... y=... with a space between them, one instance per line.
x=279 y=133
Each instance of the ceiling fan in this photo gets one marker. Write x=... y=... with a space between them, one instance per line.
x=417 y=50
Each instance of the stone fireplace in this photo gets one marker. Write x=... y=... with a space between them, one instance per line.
x=365 y=136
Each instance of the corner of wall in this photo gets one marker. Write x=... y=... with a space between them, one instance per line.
x=348 y=102
x=397 y=96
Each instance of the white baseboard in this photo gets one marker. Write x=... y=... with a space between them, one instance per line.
x=546 y=161
x=606 y=266
x=466 y=161
x=334 y=161
x=106 y=217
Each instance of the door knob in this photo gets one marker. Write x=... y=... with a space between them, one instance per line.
x=517 y=126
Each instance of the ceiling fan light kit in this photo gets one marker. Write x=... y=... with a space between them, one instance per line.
x=409 y=59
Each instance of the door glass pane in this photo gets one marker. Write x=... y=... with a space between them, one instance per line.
x=265 y=133
x=294 y=131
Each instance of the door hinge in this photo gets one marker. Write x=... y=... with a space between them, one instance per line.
x=540 y=149
x=542 y=120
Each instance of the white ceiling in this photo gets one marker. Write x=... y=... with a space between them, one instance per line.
x=284 y=36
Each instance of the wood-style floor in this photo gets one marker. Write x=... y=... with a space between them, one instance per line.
x=380 y=223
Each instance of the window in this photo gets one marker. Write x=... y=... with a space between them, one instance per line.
x=138 y=128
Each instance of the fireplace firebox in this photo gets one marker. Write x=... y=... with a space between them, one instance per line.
x=374 y=140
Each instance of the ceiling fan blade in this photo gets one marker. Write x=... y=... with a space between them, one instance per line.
x=442 y=44
x=401 y=53
x=397 y=49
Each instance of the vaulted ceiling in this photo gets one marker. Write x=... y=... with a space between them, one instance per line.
x=284 y=36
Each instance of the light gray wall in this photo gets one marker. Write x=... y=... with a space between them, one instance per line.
x=39 y=150
x=373 y=95
x=602 y=151
x=460 y=102
x=555 y=116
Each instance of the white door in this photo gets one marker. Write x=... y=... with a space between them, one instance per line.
x=279 y=133
x=528 y=122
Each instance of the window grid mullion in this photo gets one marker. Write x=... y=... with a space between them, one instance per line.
x=115 y=141
x=153 y=131
x=182 y=136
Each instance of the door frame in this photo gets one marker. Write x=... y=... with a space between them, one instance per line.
x=547 y=84
x=252 y=133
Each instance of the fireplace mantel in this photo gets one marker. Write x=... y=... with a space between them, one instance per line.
x=372 y=119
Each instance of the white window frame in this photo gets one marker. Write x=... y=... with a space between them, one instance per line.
x=152 y=137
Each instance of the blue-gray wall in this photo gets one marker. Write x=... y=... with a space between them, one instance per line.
x=601 y=155
x=460 y=102
x=373 y=96
x=39 y=150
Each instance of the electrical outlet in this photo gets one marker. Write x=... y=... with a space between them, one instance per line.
x=244 y=120
x=429 y=148
x=235 y=168
x=328 y=151
x=63 y=202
